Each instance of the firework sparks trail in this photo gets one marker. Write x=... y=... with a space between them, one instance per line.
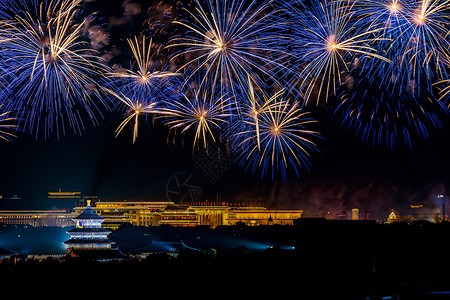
x=5 y=125
x=414 y=38
x=53 y=72
x=199 y=107
x=279 y=141
x=324 y=40
x=139 y=89
x=380 y=116
x=230 y=41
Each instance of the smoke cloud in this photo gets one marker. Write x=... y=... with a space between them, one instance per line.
x=130 y=9
x=331 y=199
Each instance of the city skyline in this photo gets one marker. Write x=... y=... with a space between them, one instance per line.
x=345 y=173
x=242 y=146
x=329 y=185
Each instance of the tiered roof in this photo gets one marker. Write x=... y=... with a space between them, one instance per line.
x=91 y=242
x=88 y=214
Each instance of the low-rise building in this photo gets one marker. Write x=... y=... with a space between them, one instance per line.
x=36 y=218
x=147 y=213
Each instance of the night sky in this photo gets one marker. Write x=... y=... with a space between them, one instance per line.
x=346 y=174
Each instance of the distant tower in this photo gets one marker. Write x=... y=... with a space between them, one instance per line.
x=442 y=196
x=88 y=239
x=392 y=218
x=355 y=214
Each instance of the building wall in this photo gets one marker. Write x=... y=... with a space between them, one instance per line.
x=142 y=213
x=155 y=214
x=258 y=216
x=212 y=216
x=168 y=213
x=38 y=218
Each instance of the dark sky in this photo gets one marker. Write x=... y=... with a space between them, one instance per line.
x=346 y=174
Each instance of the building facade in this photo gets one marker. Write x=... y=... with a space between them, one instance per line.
x=262 y=216
x=168 y=213
x=138 y=213
x=36 y=218
x=148 y=213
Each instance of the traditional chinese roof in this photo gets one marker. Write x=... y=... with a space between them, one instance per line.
x=89 y=241
x=89 y=229
x=88 y=214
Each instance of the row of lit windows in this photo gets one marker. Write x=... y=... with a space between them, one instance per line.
x=89 y=236
x=89 y=246
x=17 y=217
x=147 y=217
x=13 y=222
x=179 y=218
x=263 y=216
x=90 y=223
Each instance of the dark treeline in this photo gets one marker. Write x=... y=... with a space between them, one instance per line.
x=338 y=259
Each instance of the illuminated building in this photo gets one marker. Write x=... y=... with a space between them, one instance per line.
x=355 y=214
x=64 y=199
x=179 y=215
x=138 y=213
x=262 y=216
x=392 y=218
x=147 y=213
x=36 y=218
x=89 y=239
x=88 y=233
x=64 y=195
x=212 y=215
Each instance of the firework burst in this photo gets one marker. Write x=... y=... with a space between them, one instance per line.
x=230 y=41
x=135 y=107
x=427 y=50
x=52 y=71
x=252 y=105
x=325 y=41
x=141 y=87
x=6 y=119
x=415 y=40
x=200 y=108
x=381 y=117
x=279 y=141
x=9 y=8
x=145 y=75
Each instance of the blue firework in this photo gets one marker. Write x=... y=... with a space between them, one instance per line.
x=325 y=41
x=230 y=41
x=200 y=108
x=141 y=88
x=52 y=73
x=383 y=117
x=414 y=40
x=274 y=138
